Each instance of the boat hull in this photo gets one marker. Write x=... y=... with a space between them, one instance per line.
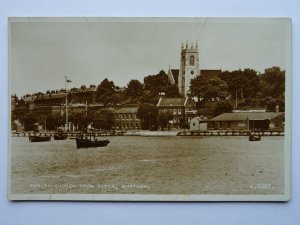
x=254 y=138
x=85 y=143
x=60 y=137
x=39 y=138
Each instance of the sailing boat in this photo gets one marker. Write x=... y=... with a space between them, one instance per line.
x=40 y=138
x=85 y=140
x=60 y=135
x=252 y=136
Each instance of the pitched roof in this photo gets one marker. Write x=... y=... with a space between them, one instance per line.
x=171 y=102
x=49 y=96
x=175 y=74
x=242 y=116
x=210 y=74
x=130 y=110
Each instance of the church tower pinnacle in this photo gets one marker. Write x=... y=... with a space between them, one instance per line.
x=189 y=67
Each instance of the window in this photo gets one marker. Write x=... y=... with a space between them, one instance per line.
x=192 y=60
x=179 y=111
x=174 y=111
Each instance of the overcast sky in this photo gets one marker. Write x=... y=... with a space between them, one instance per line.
x=43 y=51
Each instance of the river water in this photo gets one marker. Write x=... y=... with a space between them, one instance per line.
x=149 y=165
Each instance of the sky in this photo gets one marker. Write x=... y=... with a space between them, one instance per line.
x=42 y=51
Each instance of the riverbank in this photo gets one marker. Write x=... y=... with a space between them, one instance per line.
x=151 y=133
x=168 y=133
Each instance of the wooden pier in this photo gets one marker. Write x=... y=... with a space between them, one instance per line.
x=72 y=134
x=230 y=133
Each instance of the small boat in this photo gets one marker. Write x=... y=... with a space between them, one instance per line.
x=254 y=137
x=60 y=136
x=85 y=142
x=39 y=138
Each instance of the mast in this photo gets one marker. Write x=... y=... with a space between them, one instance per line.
x=236 y=98
x=66 y=127
x=85 y=107
x=67 y=122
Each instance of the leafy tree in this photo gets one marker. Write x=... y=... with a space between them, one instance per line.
x=272 y=103
x=208 y=89
x=29 y=120
x=54 y=121
x=155 y=84
x=106 y=86
x=164 y=118
x=273 y=82
x=103 y=119
x=110 y=98
x=148 y=114
x=107 y=94
x=241 y=83
x=223 y=107
x=134 y=90
x=80 y=118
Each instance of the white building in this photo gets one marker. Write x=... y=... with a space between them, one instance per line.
x=198 y=123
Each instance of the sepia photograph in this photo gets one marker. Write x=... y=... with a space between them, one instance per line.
x=149 y=109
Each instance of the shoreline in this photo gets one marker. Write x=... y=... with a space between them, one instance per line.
x=146 y=133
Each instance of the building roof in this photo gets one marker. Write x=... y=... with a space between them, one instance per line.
x=242 y=116
x=175 y=73
x=210 y=74
x=163 y=102
x=87 y=89
x=130 y=110
x=200 y=119
x=48 y=96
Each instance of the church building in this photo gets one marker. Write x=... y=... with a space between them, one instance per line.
x=189 y=69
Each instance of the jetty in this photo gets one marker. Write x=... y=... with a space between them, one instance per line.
x=230 y=133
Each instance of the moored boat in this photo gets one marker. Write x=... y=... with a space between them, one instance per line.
x=86 y=143
x=60 y=136
x=39 y=138
x=254 y=137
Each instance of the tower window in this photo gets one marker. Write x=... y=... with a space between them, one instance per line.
x=192 y=60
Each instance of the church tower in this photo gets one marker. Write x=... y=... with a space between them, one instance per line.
x=189 y=67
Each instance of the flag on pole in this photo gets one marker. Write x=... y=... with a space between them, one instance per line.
x=67 y=80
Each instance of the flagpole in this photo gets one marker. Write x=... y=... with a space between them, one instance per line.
x=66 y=127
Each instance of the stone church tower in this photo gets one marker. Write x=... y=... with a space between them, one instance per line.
x=189 y=67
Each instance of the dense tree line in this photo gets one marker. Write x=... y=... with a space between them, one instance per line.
x=248 y=87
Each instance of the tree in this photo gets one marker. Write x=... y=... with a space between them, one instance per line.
x=241 y=83
x=134 y=90
x=29 y=120
x=250 y=85
x=223 y=107
x=148 y=114
x=54 y=121
x=107 y=94
x=104 y=119
x=273 y=82
x=155 y=84
x=80 y=118
x=164 y=118
x=210 y=89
